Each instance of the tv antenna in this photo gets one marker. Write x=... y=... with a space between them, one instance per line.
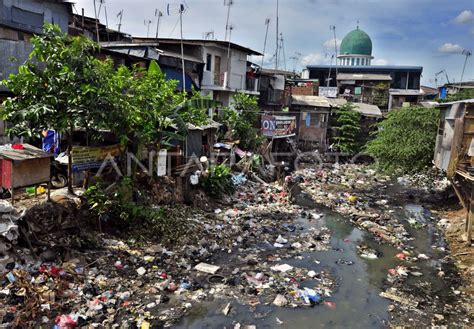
x=468 y=54
x=158 y=14
x=296 y=59
x=209 y=35
x=277 y=36
x=229 y=4
x=267 y=24
x=282 y=50
x=120 y=14
x=333 y=29
x=180 y=9
x=147 y=23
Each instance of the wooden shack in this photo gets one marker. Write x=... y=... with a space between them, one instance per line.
x=454 y=152
x=25 y=166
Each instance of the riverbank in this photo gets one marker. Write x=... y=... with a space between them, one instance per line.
x=453 y=222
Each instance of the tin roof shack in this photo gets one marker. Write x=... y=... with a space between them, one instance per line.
x=312 y=115
x=23 y=166
x=454 y=152
x=198 y=142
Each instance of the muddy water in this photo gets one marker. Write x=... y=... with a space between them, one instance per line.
x=357 y=300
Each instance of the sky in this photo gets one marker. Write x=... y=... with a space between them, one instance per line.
x=428 y=33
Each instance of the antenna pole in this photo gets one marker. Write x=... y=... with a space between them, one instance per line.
x=120 y=22
x=158 y=23
x=467 y=53
x=277 y=36
x=181 y=9
x=96 y=22
x=227 y=3
x=267 y=23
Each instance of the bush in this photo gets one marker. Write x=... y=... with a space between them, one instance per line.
x=348 y=129
x=405 y=140
x=240 y=118
x=218 y=181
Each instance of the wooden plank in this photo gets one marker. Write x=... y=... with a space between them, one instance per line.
x=455 y=147
x=457 y=190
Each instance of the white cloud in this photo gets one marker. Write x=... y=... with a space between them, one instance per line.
x=379 y=61
x=466 y=16
x=313 y=59
x=329 y=44
x=450 y=48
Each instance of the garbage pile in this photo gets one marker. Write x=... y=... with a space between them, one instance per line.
x=357 y=192
x=9 y=232
x=240 y=254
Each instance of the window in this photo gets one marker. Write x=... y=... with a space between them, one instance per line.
x=208 y=62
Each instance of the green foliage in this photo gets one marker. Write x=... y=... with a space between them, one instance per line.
x=463 y=94
x=348 y=128
x=218 y=181
x=241 y=117
x=61 y=86
x=120 y=210
x=405 y=140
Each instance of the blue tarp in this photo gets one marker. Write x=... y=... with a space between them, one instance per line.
x=172 y=74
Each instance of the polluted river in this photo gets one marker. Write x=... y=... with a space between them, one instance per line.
x=338 y=246
x=356 y=302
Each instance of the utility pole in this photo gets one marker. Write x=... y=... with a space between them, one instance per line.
x=282 y=50
x=158 y=14
x=227 y=3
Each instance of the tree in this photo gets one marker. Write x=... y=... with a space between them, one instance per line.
x=348 y=128
x=241 y=118
x=405 y=140
x=61 y=86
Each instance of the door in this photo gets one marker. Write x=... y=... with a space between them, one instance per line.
x=217 y=71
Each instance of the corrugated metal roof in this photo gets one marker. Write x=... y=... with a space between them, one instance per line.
x=368 y=110
x=413 y=92
x=364 y=76
x=178 y=55
x=335 y=102
x=28 y=152
x=368 y=68
x=315 y=101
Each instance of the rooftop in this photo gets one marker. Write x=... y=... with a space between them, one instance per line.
x=200 y=42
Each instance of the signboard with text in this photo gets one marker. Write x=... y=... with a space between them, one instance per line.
x=278 y=126
x=87 y=157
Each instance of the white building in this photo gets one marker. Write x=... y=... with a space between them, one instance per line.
x=224 y=66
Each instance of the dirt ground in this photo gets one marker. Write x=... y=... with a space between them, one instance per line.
x=462 y=253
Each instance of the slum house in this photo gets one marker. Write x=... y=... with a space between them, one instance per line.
x=275 y=89
x=312 y=116
x=365 y=88
x=356 y=58
x=19 y=21
x=225 y=66
x=454 y=153
x=141 y=54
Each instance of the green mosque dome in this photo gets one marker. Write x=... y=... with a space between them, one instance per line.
x=356 y=42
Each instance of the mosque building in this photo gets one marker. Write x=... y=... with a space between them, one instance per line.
x=356 y=79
